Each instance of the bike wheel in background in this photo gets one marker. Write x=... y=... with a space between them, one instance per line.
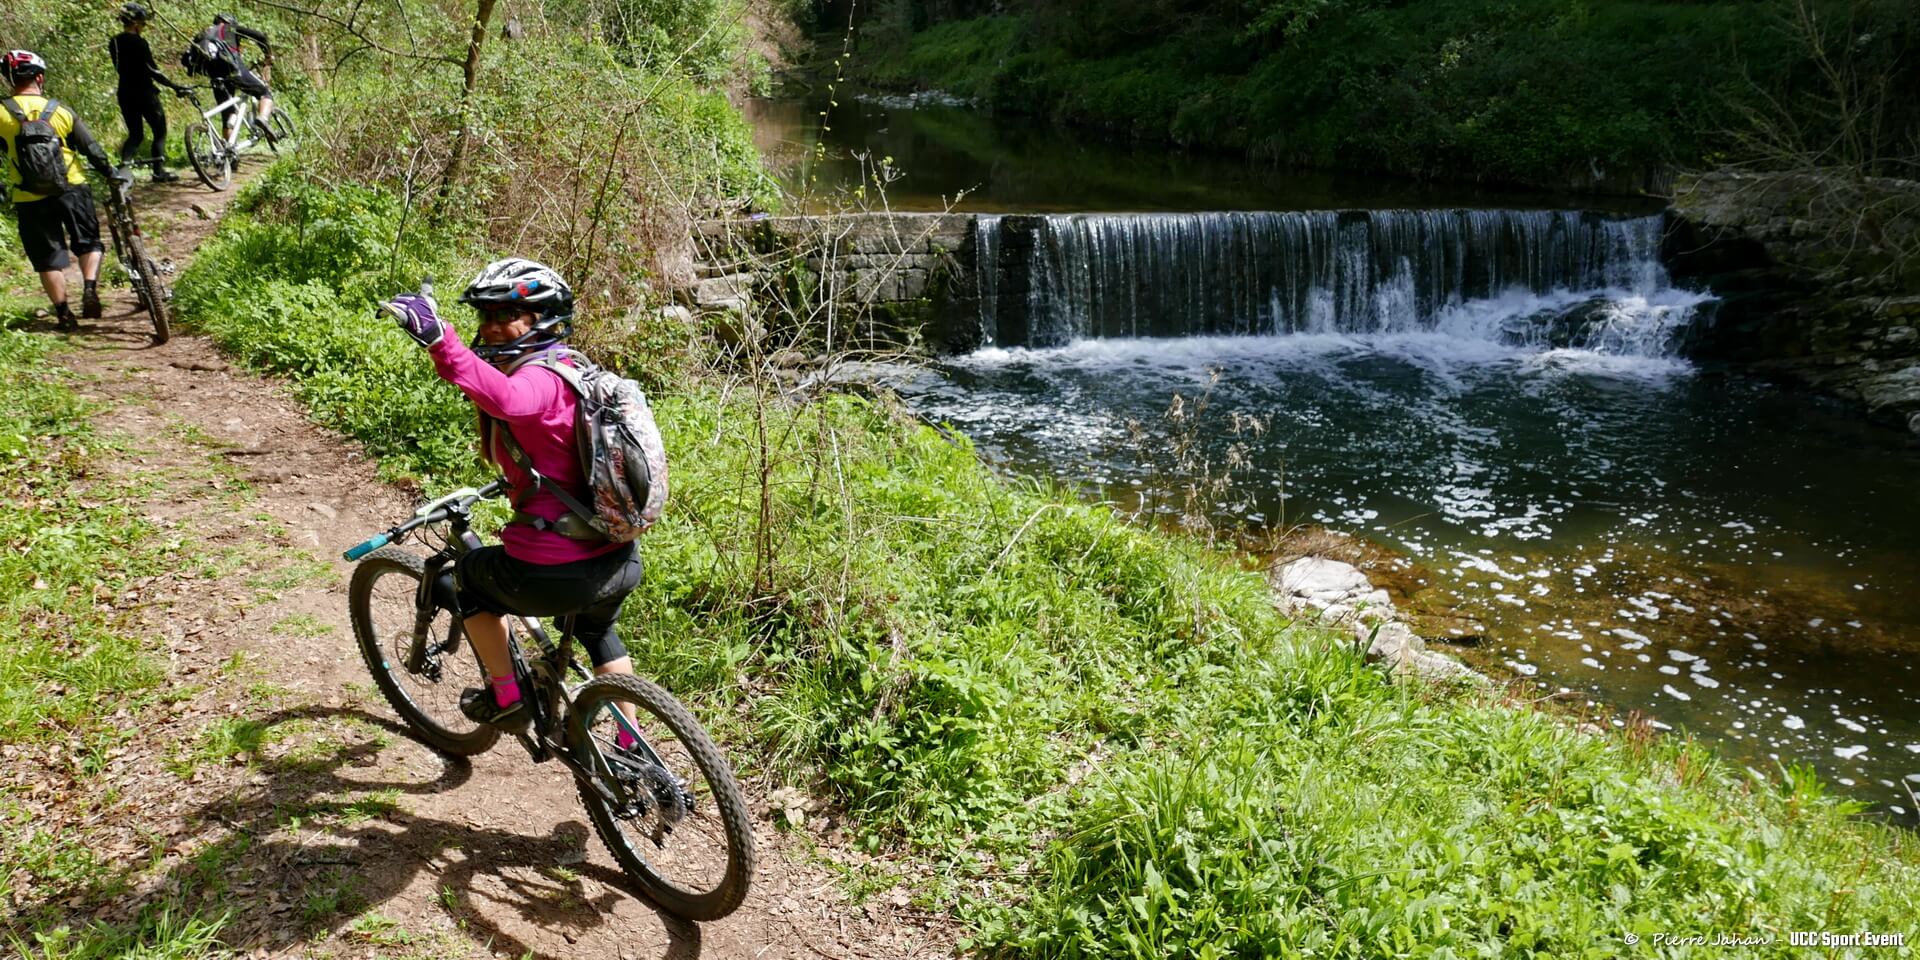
x=381 y=602
x=679 y=827
x=147 y=286
x=208 y=156
x=282 y=130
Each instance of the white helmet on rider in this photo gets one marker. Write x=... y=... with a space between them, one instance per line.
x=526 y=284
x=22 y=66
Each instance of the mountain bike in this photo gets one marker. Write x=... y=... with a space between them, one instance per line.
x=130 y=249
x=667 y=807
x=214 y=147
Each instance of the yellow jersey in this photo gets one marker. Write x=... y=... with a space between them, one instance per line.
x=65 y=123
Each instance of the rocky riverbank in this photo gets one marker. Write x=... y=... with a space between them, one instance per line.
x=1820 y=280
x=1340 y=595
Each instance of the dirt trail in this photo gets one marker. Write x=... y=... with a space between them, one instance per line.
x=281 y=788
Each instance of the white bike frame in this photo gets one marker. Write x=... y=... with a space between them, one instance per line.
x=245 y=107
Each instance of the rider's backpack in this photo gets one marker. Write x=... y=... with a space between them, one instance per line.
x=38 y=151
x=621 y=452
x=207 y=56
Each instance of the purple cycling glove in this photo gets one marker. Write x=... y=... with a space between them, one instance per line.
x=418 y=315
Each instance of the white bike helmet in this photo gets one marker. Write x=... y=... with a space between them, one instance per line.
x=24 y=65
x=523 y=283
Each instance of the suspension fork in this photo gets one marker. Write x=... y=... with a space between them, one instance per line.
x=431 y=596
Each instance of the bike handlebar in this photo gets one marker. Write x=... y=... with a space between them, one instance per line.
x=432 y=512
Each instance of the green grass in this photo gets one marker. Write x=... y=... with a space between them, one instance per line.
x=163 y=935
x=66 y=550
x=227 y=740
x=379 y=930
x=303 y=626
x=1100 y=740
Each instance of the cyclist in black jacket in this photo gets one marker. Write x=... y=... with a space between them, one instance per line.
x=216 y=52
x=139 y=97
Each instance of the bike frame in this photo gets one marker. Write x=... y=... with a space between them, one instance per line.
x=124 y=228
x=544 y=674
x=121 y=222
x=245 y=106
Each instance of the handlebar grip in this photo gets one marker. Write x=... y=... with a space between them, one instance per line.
x=366 y=546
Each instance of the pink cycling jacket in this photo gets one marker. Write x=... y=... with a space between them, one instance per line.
x=538 y=407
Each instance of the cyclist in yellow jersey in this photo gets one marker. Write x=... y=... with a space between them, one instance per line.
x=59 y=217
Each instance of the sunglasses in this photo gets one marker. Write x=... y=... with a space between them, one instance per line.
x=501 y=314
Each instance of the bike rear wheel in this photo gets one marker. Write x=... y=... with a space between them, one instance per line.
x=208 y=155
x=280 y=126
x=382 y=602
x=680 y=826
x=147 y=286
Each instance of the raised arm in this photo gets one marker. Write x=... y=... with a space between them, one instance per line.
x=257 y=37
x=81 y=140
x=526 y=396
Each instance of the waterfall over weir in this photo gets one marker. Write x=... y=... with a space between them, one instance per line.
x=1560 y=278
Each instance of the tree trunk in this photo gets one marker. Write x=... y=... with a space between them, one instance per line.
x=482 y=15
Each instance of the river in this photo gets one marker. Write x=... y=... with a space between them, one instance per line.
x=1494 y=386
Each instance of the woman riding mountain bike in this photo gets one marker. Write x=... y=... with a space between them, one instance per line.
x=548 y=563
x=659 y=793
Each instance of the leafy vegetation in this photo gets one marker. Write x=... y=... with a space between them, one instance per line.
x=1104 y=740
x=1098 y=739
x=1548 y=92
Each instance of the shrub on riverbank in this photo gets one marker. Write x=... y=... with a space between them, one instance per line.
x=1544 y=92
x=1103 y=741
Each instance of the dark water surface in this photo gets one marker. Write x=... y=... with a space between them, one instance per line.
x=1724 y=556
x=999 y=165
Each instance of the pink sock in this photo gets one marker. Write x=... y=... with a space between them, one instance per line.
x=506 y=691
x=625 y=740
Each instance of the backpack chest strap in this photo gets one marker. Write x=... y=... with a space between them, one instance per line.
x=580 y=516
x=567 y=525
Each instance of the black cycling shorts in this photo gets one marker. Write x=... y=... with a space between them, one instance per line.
x=242 y=80
x=51 y=226
x=592 y=590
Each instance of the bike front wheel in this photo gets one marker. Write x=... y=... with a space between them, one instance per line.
x=208 y=155
x=382 y=601
x=676 y=823
x=145 y=275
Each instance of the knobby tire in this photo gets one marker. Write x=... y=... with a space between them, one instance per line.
x=282 y=128
x=206 y=152
x=148 y=287
x=724 y=801
x=393 y=561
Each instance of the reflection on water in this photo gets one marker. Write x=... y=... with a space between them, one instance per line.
x=1701 y=548
x=1007 y=165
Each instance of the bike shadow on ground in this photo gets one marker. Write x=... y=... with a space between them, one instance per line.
x=128 y=329
x=316 y=839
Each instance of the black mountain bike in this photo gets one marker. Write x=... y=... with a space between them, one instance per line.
x=667 y=807
x=130 y=249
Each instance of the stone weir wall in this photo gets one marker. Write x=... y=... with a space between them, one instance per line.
x=908 y=277
x=1819 y=280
